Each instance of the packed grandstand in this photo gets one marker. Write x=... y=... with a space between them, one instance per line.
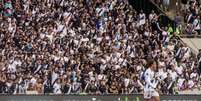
x=91 y=47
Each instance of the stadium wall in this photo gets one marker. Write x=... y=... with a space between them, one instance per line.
x=136 y=97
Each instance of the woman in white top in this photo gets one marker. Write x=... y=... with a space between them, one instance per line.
x=150 y=92
x=57 y=87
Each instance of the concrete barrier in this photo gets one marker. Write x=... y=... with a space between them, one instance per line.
x=194 y=43
x=134 y=97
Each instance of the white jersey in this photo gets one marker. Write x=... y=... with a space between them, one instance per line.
x=150 y=84
x=150 y=80
x=57 y=88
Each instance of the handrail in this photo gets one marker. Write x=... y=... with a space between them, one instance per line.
x=157 y=6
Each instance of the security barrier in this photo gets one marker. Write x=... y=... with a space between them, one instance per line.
x=136 y=97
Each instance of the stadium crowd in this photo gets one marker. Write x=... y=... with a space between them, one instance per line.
x=191 y=12
x=89 y=46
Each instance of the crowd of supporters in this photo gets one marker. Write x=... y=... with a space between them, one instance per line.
x=191 y=11
x=90 y=47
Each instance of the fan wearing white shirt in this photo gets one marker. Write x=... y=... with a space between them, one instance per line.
x=150 y=92
x=152 y=15
x=57 y=87
x=196 y=24
x=142 y=18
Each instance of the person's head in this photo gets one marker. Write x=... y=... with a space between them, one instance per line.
x=58 y=81
x=152 y=11
x=152 y=64
x=141 y=11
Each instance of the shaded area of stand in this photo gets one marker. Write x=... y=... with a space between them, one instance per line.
x=147 y=6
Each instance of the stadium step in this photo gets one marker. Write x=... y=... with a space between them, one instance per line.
x=194 y=43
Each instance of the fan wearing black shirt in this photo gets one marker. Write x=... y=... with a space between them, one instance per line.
x=67 y=87
x=48 y=87
x=2 y=87
x=102 y=87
